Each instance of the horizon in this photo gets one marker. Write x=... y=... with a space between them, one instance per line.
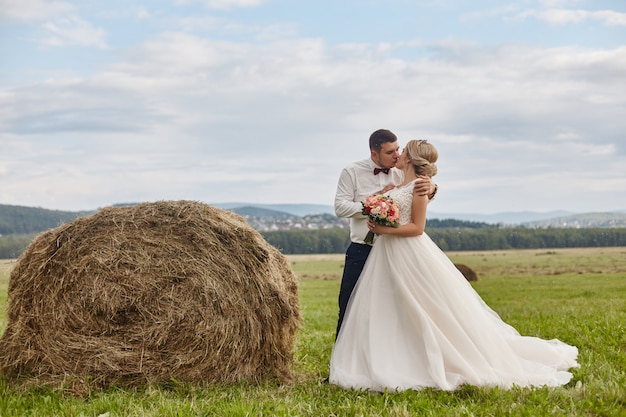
x=234 y=204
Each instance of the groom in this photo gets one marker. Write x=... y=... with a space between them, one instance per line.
x=375 y=175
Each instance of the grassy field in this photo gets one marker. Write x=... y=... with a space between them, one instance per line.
x=576 y=295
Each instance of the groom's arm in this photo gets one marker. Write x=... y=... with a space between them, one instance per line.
x=345 y=206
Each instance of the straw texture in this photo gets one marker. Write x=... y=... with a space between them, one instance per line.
x=148 y=293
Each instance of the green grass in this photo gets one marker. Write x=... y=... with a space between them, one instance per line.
x=578 y=296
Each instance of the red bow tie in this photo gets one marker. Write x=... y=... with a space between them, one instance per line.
x=379 y=170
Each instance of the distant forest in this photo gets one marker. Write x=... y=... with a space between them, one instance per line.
x=456 y=239
x=19 y=225
x=448 y=239
x=20 y=220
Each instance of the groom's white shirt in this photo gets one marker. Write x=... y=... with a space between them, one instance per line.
x=356 y=182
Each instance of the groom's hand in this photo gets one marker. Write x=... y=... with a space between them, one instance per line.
x=423 y=186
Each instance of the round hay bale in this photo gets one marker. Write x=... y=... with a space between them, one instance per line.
x=150 y=293
x=467 y=272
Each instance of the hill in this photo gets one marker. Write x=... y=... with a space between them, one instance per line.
x=514 y=218
x=327 y=233
x=293 y=209
x=582 y=221
x=251 y=211
x=17 y=220
x=504 y=218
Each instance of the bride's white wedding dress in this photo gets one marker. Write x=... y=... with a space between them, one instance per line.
x=414 y=321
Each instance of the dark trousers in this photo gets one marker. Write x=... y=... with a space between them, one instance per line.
x=356 y=255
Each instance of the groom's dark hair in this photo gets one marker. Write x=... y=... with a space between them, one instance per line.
x=379 y=137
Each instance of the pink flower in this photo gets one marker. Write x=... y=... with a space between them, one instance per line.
x=381 y=209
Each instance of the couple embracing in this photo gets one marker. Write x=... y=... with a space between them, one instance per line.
x=408 y=319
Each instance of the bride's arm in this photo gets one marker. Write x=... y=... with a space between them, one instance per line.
x=415 y=228
x=425 y=186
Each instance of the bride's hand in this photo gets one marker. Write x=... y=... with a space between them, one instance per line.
x=373 y=226
x=387 y=188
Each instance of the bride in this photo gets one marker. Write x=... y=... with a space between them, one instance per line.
x=414 y=321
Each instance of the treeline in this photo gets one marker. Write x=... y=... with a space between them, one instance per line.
x=12 y=246
x=20 y=220
x=337 y=240
x=309 y=241
x=448 y=239
x=457 y=239
x=455 y=223
x=525 y=238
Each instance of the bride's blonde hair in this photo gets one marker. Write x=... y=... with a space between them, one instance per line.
x=423 y=156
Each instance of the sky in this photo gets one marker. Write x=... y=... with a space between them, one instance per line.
x=265 y=101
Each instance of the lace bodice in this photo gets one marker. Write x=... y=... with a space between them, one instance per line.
x=403 y=197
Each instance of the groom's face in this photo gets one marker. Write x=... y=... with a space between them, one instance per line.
x=388 y=155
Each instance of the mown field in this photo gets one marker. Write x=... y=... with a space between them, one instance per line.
x=576 y=295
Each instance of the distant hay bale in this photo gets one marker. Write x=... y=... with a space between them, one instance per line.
x=150 y=293
x=467 y=272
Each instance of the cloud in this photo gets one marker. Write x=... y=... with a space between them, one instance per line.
x=76 y=105
x=224 y=4
x=502 y=10
x=551 y=4
x=130 y=11
x=274 y=120
x=28 y=10
x=195 y=83
x=72 y=30
x=567 y=16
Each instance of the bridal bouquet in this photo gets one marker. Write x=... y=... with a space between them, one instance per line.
x=382 y=210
